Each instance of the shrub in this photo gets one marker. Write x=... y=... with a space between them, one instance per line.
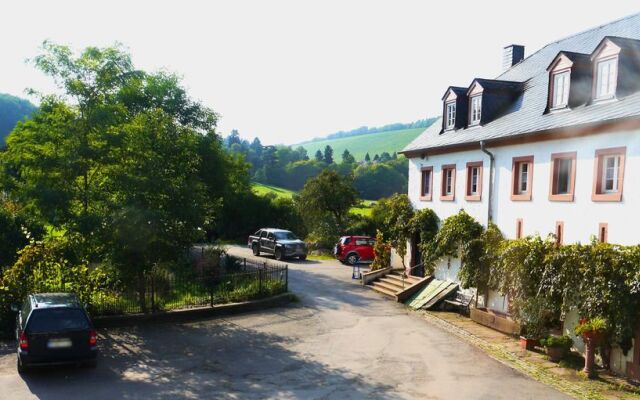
x=382 y=252
x=557 y=341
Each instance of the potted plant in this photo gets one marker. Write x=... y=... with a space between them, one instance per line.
x=528 y=343
x=557 y=347
x=591 y=331
x=532 y=331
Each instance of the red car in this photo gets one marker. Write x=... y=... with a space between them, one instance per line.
x=350 y=249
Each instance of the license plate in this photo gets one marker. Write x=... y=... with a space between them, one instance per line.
x=59 y=343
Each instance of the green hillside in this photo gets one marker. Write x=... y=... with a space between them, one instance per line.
x=262 y=189
x=373 y=143
x=12 y=110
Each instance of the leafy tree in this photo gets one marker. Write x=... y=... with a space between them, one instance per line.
x=398 y=223
x=385 y=156
x=379 y=180
x=299 y=172
x=14 y=235
x=117 y=160
x=328 y=155
x=347 y=158
x=327 y=199
x=319 y=156
x=233 y=138
x=302 y=153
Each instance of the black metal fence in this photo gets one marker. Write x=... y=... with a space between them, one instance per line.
x=245 y=279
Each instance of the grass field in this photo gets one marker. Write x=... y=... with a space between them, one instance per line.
x=373 y=143
x=262 y=189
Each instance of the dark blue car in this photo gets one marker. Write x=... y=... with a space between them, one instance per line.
x=54 y=329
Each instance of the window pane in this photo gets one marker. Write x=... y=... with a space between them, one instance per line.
x=426 y=182
x=563 y=171
x=611 y=165
x=524 y=177
x=606 y=73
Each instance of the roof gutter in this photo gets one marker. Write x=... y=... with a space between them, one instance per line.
x=491 y=167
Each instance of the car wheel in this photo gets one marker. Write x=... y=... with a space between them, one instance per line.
x=279 y=254
x=255 y=249
x=302 y=258
x=21 y=367
x=352 y=259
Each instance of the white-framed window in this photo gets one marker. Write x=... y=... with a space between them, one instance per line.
x=476 y=109
x=523 y=178
x=610 y=168
x=451 y=115
x=448 y=185
x=606 y=73
x=560 y=89
x=475 y=176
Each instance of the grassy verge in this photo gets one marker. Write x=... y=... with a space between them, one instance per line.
x=320 y=257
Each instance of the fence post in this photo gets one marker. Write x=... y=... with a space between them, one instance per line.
x=210 y=284
x=153 y=292
x=286 y=278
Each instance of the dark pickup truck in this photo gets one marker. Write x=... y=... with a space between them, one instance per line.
x=277 y=242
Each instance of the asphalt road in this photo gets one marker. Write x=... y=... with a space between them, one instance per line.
x=341 y=341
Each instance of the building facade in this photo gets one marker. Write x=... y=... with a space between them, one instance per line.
x=552 y=145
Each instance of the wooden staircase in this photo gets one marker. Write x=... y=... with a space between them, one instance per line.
x=391 y=284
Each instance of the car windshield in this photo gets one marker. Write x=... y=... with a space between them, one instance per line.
x=57 y=319
x=285 y=236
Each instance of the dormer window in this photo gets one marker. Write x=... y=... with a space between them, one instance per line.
x=476 y=110
x=560 y=89
x=606 y=76
x=451 y=115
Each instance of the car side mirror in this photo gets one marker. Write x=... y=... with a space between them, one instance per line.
x=15 y=307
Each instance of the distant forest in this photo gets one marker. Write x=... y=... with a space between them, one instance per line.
x=374 y=177
x=364 y=130
x=12 y=110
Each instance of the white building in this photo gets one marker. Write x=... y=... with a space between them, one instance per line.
x=552 y=145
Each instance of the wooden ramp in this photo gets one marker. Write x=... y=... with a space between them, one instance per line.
x=431 y=294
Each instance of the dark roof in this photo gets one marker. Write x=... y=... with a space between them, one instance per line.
x=458 y=90
x=527 y=114
x=47 y=300
x=573 y=56
x=498 y=85
x=625 y=42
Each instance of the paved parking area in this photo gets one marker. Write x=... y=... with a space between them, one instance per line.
x=341 y=341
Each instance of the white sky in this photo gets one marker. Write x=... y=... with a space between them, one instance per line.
x=287 y=71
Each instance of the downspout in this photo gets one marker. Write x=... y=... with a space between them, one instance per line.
x=490 y=197
x=489 y=204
